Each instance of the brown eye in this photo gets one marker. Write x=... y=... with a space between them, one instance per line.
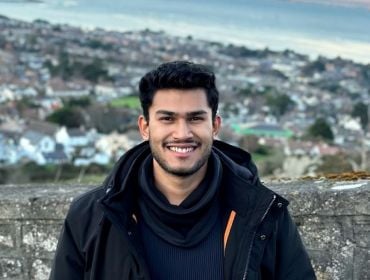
x=166 y=119
x=196 y=119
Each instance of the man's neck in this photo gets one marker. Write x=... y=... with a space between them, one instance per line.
x=177 y=188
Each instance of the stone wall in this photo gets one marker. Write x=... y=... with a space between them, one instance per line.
x=333 y=217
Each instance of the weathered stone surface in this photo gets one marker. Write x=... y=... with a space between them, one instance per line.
x=40 y=239
x=326 y=198
x=10 y=269
x=361 y=231
x=7 y=237
x=40 y=269
x=37 y=201
x=328 y=236
x=362 y=264
x=333 y=218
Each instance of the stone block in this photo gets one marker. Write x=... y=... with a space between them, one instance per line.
x=11 y=209
x=361 y=229
x=362 y=264
x=7 y=238
x=11 y=269
x=40 y=269
x=330 y=245
x=40 y=240
x=49 y=208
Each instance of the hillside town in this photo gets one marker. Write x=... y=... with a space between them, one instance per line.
x=61 y=86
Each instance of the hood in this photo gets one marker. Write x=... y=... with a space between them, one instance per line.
x=237 y=159
x=233 y=156
x=241 y=185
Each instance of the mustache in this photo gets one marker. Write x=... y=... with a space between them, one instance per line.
x=182 y=141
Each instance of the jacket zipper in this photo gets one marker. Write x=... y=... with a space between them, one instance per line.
x=254 y=235
x=127 y=234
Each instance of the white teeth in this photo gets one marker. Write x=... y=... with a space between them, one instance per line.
x=181 y=150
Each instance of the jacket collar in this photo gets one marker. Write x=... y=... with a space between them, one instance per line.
x=243 y=191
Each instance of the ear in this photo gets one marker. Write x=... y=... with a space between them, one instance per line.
x=143 y=127
x=216 y=125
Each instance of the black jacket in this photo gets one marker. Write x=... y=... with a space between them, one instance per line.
x=99 y=240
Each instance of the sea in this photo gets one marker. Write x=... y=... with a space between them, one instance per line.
x=330 y=28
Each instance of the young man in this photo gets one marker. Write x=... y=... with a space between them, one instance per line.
x=181 y=205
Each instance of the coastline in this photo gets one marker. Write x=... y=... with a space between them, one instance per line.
x=225 y=31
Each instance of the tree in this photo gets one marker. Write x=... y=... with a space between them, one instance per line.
x=360 y=110
x=247 y=91
x=65 y=68
x=82 y=102
x=317 y=66
x=95 y=71
x=339 y=163
x=321 y=129
x=279 y=104
x=71 y=117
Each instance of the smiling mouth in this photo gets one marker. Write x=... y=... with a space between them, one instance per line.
x=182 y=147
x=181 y=150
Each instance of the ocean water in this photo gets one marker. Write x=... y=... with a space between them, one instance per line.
x=310 y=28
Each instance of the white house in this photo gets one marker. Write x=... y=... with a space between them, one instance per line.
x=113 y=143
x=34 y=144
x=350 y=123
x=62 y=136
x=6 y=94
x=81 y=137
x=105 y=92
x=9 y=151
x=68 y=93
x=89 y=156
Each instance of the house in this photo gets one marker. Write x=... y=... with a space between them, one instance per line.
x=73 y=138
x=55 y=157
x=323 y=149
x=350 y=123
x=77 y=93
x=42 y=127
x=50 y=104
x=104 y=92
x=89 y=155
x=298 y=148
x=115 y=144
x=9 y=150
x=35 y=145
x=6 y=94
x=34 y=142
x=79 y=137
x=27 y=92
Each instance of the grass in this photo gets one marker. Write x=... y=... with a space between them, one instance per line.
x=87 y=179
x=258 y=157
x=132 y=102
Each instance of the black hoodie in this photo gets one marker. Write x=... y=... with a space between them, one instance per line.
x=99 y=238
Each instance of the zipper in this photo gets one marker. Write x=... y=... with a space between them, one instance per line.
x=128 y=235
x=254 y=235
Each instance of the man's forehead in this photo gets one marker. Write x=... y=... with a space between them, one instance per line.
x=180 y=101
x=187 y=113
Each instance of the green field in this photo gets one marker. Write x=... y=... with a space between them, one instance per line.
x=132 y=102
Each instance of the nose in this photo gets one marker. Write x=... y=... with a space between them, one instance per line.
x=182 y=130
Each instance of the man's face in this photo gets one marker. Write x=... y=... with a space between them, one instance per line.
x=180 y=130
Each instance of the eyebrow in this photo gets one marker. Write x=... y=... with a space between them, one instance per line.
x=189 y=114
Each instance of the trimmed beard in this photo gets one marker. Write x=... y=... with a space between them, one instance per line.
x=181 y=172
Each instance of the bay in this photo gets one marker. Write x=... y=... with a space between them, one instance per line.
x=310 y=28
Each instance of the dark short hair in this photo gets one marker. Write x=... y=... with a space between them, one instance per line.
x=178 y=75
